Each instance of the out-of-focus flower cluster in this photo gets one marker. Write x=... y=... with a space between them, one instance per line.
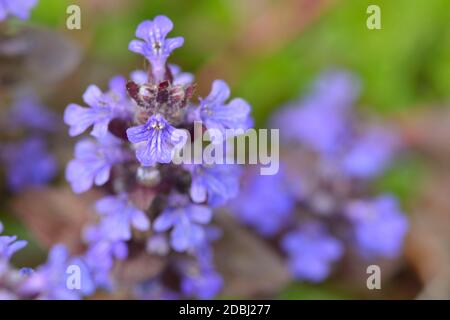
x=319 y=206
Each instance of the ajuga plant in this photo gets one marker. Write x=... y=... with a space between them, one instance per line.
x=150 y=206
x=321 y=204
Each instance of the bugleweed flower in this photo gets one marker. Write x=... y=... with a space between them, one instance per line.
x=17 y=8
x=28 y=113
x=270 y=215
x=102 y=108
x=119 y=215
x=328 y=159
x=157 y=140
x=49 y=281
x=186 y=219
x=28 y=164
x=214 y=183
x=205 y=284
x=155 y=47
x=104 y=249
x=137 y=126
x=311 y=252
x=93 y=162
x=379 y=226
x=370 y=153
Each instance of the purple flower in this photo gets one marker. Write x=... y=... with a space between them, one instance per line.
x=100 y=258
x=200 y=279
x=156 y=140
x=155 y=47
x=103 y=249
x=103 y=107
x=179 y=77
x=185 y=221
x=267 y=216
x=28 y=113
x=18 y=8
x=217 y=115
x=93 y=162
x=370 y=154
x=28 y=164
x=311 y=252
x=203 y=284
x=320 y=121
x=8 y=246
x=379 y=226
x=217 y=183
x=119 y=214
x=50 y=280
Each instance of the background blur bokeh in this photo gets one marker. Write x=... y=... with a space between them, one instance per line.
x=270 y=52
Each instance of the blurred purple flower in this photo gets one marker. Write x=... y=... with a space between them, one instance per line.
x=155 y=47
x=185 y=221
x=156 y=140
x=28 y=164
x=311 y=252
x=104 y=248
x=179 y=77
x=379 y=226
x=17 y=8
x=93 y=162
x=370 y=154
x=199 y=278
x=218 y=115
x=320 y=121
x=216 y=183
x=203 y=284
x=50 y=280
x=270 y=215
x=102 y=108
x=28 y=113
x=119 y=215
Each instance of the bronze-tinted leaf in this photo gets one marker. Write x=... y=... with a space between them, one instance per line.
x=250 y=267
x=137 y=268
x=56 y=215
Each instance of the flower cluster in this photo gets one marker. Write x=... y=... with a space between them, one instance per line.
x=152 y=205
x=319 y=203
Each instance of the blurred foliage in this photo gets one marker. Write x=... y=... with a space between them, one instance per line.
x=402 y=180
x=304 y=291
